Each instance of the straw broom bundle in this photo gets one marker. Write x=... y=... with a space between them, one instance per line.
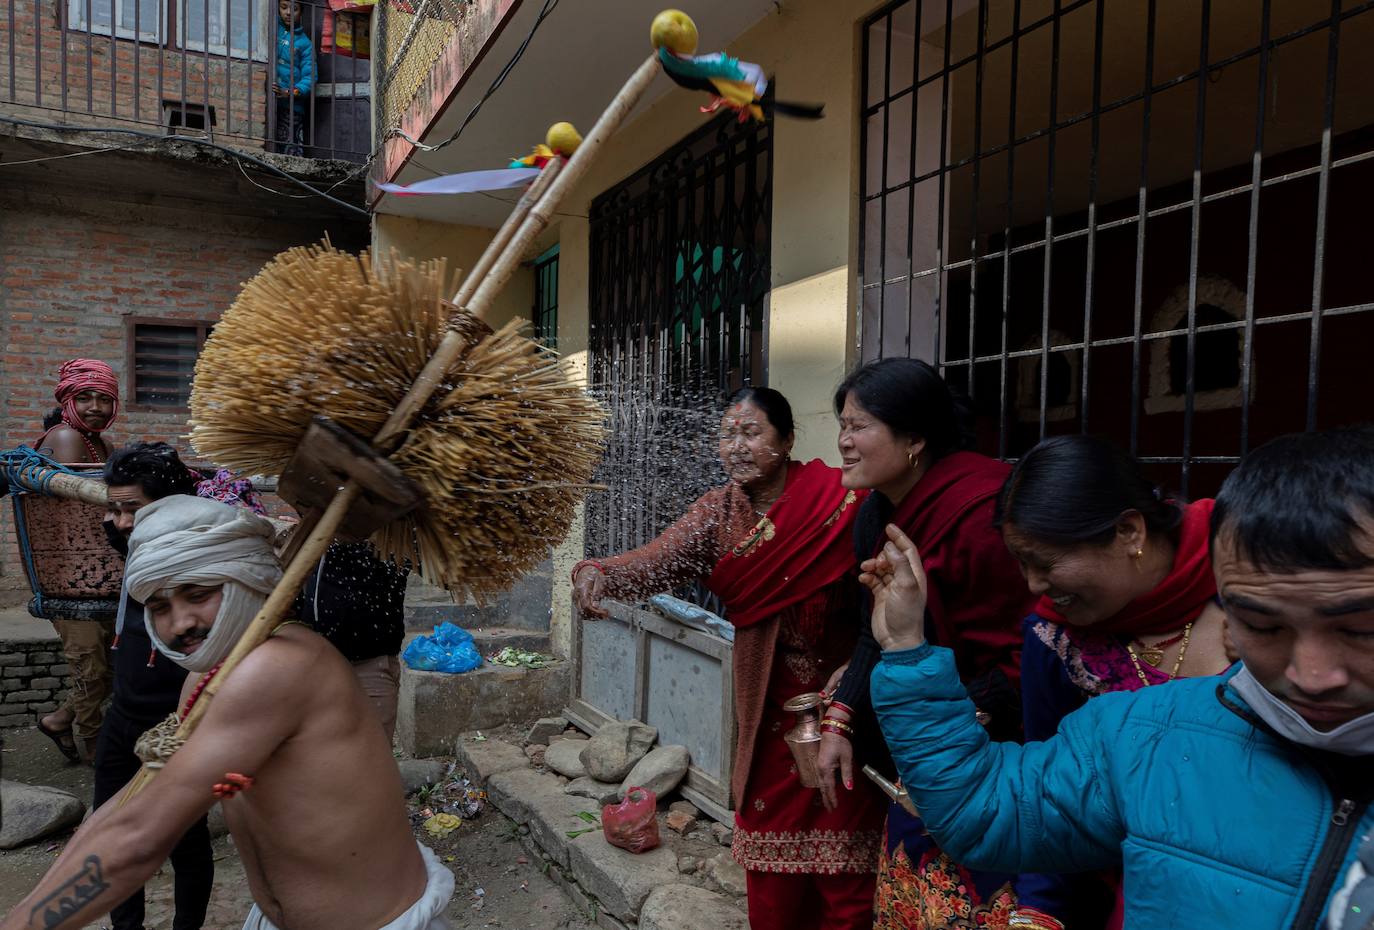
x=503 y=450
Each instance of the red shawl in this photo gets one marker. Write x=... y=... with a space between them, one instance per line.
x=800 y=547
x=977 y=596
x=1176 y=600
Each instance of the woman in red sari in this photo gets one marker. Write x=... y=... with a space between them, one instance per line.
x=775 y=545
x=903 y=434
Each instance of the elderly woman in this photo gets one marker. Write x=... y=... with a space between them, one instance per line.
x=903 y=434
x=1126 y=601
x=774 y=545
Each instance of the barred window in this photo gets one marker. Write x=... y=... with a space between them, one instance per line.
x=162 y=361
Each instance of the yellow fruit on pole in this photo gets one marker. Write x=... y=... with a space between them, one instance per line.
x=563 y=138
x=675 y=31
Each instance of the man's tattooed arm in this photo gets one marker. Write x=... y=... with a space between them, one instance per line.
x=70 y=897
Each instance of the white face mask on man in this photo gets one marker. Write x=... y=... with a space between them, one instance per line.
x=182 y=540
x=1352 y=738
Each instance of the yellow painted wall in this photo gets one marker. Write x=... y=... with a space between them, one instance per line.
x=811 y=47
x=460 y=246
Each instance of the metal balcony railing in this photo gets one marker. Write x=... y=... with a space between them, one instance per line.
x=200 y=67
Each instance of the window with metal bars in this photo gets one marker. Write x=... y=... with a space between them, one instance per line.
x=1138 y=218
x=162 y=361
x=546 y=298
x=680 y=270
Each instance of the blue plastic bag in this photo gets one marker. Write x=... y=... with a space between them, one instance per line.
x=449 y=649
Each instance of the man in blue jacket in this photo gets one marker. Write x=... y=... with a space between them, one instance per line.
x=294 y=77
x=1238 y=801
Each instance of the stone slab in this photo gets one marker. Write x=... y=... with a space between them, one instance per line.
x=484 y=758
x=536 y=800
x=686 y=907
x=435 y=708
x=565 y=757
x=600 y=792
x=620 y=880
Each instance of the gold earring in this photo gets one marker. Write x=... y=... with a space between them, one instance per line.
x=912 y=459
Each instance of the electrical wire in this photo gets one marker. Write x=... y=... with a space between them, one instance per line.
x=548 y=8
x=161 y=141
x=34 y=161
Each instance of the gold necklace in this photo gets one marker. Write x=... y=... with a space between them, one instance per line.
x=1178 y=663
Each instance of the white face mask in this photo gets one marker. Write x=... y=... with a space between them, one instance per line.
x=1355 y=738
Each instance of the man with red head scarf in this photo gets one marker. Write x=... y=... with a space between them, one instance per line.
x=88 y=393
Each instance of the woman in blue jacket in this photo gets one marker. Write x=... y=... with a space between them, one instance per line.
x=1233 y=801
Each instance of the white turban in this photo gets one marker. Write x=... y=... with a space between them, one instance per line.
x=181 y=540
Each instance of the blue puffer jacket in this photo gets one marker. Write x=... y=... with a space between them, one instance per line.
x=1216 y=821
x=295 y=61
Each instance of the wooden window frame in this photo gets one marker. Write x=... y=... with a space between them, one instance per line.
x=131 y=324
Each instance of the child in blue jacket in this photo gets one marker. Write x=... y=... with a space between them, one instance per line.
x=295 y=76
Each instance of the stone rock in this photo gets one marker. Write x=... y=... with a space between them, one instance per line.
x=727 y=873
x=599 y=791
x=685 y=807
x=684 y=907
x=535 y=753
x=620 y=880
x=616 y=747
x=565 y=758
x=659 y=771
x=482 y=759
x=32 y=812
x=574 y=733
x=418 y=773
x=679 y=822
x=687 y=864
x=722 y=834
x=216 y=822
x=544 y=728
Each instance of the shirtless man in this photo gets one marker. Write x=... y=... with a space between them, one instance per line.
x=320 y=820
x=88 y=395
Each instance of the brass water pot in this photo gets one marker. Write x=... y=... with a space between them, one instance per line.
x=804 y=739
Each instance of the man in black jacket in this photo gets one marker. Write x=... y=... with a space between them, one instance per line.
x=147 y=685
x=357 y=602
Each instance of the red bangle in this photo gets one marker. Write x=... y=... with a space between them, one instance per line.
x=841 y=705
x=586 y=563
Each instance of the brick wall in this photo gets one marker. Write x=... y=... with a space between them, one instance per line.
x=127 y=80
x=74 y=266
x=33 y=678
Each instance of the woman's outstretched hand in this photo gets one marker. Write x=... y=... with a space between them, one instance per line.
x=898 y=582
x=589 y=587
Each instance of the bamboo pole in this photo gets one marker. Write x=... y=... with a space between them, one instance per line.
x=498 y=271
x=60 y=484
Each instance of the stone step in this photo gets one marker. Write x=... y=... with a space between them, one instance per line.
x=671 y=887
x=435 y=708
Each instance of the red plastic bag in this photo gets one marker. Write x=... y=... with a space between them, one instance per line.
x=631 y=823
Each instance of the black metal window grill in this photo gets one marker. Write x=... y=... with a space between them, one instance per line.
x=546 y=298
x=679 y=276
x=1139 y=218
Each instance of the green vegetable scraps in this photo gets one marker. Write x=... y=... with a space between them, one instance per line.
x=519 y=658
x=585 y=817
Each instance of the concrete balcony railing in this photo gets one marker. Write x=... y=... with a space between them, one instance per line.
x=186 y=67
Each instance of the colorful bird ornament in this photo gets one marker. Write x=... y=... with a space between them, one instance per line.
x=733 y=84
